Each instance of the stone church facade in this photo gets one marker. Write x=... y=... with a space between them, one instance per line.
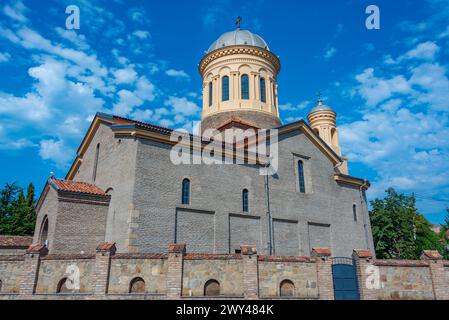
x=130 y=220
x=123 y=188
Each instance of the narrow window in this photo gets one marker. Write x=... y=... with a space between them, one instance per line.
x=210 y=93
x=354 y=212
x=97 y=152
x=137 y=285
x=212 y=288
x=302 y=187
x=245 y=200
x=1 y=285
x=274 y=97
x=186 y=191
x=287 y=289
x=263 y=91
x=225 y=88
x=43 y=237
x=245 y=87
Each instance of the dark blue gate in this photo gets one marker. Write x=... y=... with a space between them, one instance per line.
x=345 y=279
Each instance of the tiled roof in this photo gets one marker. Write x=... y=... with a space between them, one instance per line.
x=146 y=125
x=78 y=187
x=15 y=241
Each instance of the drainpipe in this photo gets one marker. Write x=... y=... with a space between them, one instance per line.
x=269 y=219
x=362 y=206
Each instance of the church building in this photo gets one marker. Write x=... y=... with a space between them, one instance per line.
x=123 y=188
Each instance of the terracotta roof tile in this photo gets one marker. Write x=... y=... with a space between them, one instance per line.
x=363 y=253
x=106 y=246
x=15 y=241
x=78 y=187
x=35 y=248
x=321 y=252
x=431 y=255
x=177 y=248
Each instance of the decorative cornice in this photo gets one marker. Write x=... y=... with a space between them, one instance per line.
x=239 y=49
x=353 y=181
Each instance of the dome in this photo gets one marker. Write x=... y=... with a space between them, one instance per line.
x=238 y=37
x=321 y=107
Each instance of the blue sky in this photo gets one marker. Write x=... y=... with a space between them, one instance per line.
x=390 y=87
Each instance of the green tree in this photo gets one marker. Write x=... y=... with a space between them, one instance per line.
x=444 y=235
x=426 y=238
x=17 y=214
x=399 y=231
x=392 y=221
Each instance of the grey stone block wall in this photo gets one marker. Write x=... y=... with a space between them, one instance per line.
x=145 y=212
x=115 y=172
x=218 y=189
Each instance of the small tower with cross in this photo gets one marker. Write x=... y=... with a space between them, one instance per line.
x=323 y=120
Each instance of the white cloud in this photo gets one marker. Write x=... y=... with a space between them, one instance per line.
x=424 y=51
x=141 y=34
x=128 y=100
x=177 y=73
x=126 y=75
x=138 y=15
x=291 y=107
x=375 y=90
x=75 y=38
x=22 y=143
x=434 y=85
x=56 y=151
x=16 y=10
x=182 y=106
x=329 y=53
x=4 y=57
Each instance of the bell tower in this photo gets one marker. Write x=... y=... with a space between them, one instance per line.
x=323 y=120
x=239 y=75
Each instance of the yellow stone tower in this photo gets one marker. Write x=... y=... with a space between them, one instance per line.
x=240 y=82
x=323 y=120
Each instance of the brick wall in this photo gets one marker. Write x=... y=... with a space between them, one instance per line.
x=423 y=279
x=183 y=275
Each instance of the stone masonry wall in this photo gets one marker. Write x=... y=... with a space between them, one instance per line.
x=226 y=269
x=54 y=268
x=302 y=272
x=10 y=272
x=181 y=275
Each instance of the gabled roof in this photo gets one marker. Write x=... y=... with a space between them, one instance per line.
x=238 y=122
x=15 y=241
x=150 y=131
x=76 y=187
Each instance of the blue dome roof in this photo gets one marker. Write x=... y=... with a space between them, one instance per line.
x=238 y=37
x=321 y=107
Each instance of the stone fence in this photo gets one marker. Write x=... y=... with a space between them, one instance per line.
x=178 y=274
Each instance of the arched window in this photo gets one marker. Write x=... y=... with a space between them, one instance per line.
x=212 y=288
x=186 y=191
x=354 y=212
x=43 y=236
x=62 y=286
x=287 y=289
x=210 y=93
x=245 y=87
x=245 y=200
x=225 y=88
x=97 y=153
x=137 y=285
x=301 y=183
x=263 y=90
x=274 y=96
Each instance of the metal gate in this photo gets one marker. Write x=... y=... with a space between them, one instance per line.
x=345 y=279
